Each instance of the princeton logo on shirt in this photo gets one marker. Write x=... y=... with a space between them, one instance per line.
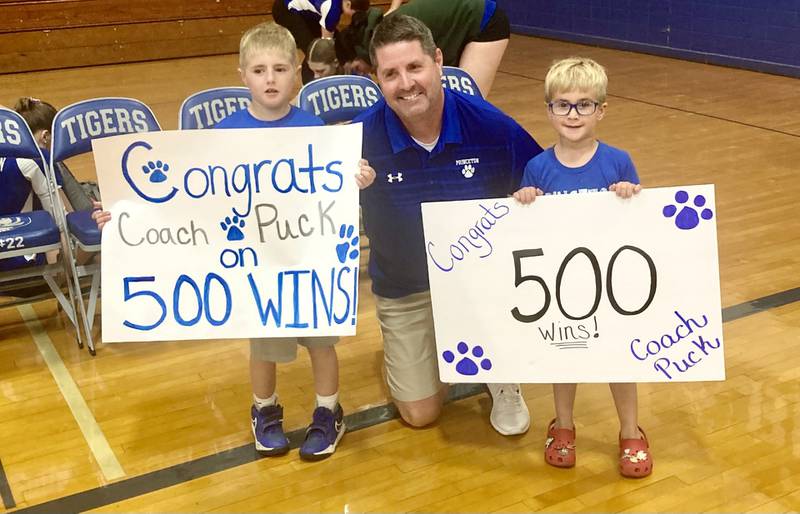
x=467 y=166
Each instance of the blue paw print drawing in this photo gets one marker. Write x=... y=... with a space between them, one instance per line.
x=688 y=218
x=233 y=225
x=467 y=366
x=156 y=170
x=349 y=243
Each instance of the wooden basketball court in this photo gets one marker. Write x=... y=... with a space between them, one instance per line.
x=164 y=427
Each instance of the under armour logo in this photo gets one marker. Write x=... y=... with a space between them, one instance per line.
x=394 y=178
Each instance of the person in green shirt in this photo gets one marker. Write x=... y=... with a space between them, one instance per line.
x=472 y=34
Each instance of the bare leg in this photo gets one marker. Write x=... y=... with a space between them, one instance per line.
x=423 y=412
x=481 y=60
x=325 y=366
x=262 y=377
x=564 y=399
x=625 y=399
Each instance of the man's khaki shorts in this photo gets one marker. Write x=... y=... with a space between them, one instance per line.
x=409 y=346
x=284 y=349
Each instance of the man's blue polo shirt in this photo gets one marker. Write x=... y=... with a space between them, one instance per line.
x=481 y=153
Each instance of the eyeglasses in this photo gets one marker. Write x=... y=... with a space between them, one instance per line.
x=563 y=108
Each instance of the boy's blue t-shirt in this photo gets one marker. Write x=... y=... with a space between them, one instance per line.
x=295 y=118
x=607 y=166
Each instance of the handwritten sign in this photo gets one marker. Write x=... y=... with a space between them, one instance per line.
x=577 y=288
x=230 y=233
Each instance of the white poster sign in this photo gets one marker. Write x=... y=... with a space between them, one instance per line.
x=230 y=233
x=577 y=288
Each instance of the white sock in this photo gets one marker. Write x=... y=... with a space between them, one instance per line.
x=260 y=403
x=329 y=402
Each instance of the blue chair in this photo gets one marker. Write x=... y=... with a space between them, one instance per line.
x=338 y=99
x=74 y=128
x=23 y=235
x=456 y=79
x=206 y=108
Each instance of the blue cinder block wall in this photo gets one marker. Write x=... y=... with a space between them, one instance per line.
x=762 y=35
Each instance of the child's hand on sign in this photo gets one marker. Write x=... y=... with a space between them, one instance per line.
x=528 y=194
x=625 y=189
x=100 y=216
x=365 y=175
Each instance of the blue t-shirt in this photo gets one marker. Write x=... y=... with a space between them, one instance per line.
x=607 y=166
x=481 y=153
x=295 y=118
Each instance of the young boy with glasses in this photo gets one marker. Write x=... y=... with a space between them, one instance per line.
x=575 y=94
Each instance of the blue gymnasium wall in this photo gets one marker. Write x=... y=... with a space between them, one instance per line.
x=762 y=35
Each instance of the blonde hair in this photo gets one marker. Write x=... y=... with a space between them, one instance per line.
x=576 y=74
x=267 y=36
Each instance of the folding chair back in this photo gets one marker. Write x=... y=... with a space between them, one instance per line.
x=339 y=98
x=74 y=129
x=206 y=108
x=76 y=125
x=456 y=79
x=16 y=139
x=24 y=235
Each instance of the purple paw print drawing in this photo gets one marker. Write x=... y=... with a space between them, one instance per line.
x=687 y=218
x=467 y=366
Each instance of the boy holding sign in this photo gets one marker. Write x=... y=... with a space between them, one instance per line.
x=575 y=93
x=268 y=66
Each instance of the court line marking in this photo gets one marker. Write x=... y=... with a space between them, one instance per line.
x=92 y=433
x=5 y=490
x=761 y=304
x=214 y=463
x=246 y=454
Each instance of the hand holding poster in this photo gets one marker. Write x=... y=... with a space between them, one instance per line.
x=577 y=288
x=230 y=233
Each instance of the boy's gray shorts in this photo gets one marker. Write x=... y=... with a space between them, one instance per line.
x=284 y=349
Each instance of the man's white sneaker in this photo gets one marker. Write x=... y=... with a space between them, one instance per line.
x=510 y=415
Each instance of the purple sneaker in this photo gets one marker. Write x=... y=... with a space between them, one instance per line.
x=268 y=430
x=323 y=434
